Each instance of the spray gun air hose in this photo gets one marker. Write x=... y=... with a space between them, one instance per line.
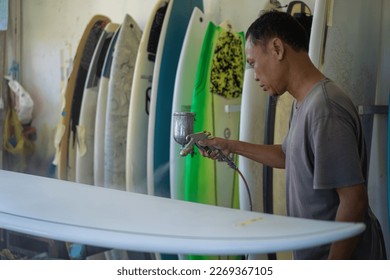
x=247 y=188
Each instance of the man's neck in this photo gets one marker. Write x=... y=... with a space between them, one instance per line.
x=303 y=77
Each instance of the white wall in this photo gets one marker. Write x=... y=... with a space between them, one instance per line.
x=378 y=163
x=51 y=31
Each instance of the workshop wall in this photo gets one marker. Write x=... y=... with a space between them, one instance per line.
x=50 y=32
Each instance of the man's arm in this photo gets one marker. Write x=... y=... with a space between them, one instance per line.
x=270 y=155
x=353 y=205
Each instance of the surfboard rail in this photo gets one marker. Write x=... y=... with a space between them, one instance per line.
x=80 y=213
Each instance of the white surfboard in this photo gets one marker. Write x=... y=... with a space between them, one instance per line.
x=172 y=35
x=227 y=125
x=86 y=127
x=252 y=125
x=81 y=81
x=317 y=39
x=79 y=213
x=63 y=158
x=137 y=130
x=152 y=104
x=101 y=109
x=118 y=101
x=252 y=128
x=182 y=97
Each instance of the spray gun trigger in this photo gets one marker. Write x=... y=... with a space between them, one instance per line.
x=193 y=140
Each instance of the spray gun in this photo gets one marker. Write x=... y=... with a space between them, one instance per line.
x=183 y=133
x=195 y=138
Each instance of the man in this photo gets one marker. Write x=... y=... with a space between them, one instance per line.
x=324 y=152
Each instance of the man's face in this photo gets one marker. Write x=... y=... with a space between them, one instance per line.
x=261 y=58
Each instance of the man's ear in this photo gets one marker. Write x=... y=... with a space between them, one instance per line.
x=278 y=48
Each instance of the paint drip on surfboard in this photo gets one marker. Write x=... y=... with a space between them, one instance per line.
x=218 y=85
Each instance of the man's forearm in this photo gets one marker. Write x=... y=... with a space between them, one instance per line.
x=353 y=206
x=270 y=155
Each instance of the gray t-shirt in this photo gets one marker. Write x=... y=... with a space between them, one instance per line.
x=324 y=150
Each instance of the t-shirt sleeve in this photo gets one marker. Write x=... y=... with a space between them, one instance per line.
x=336 y=153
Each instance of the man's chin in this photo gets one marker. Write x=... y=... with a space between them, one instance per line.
x=271 y=93
x=275 y=94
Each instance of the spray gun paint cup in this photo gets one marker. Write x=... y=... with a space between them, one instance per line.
x=183 y=123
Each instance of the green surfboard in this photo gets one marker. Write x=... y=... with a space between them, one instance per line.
x=216 y=96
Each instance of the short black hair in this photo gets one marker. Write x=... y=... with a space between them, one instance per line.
x=279 y=24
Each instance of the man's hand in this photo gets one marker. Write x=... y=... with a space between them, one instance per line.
x=216 y=144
